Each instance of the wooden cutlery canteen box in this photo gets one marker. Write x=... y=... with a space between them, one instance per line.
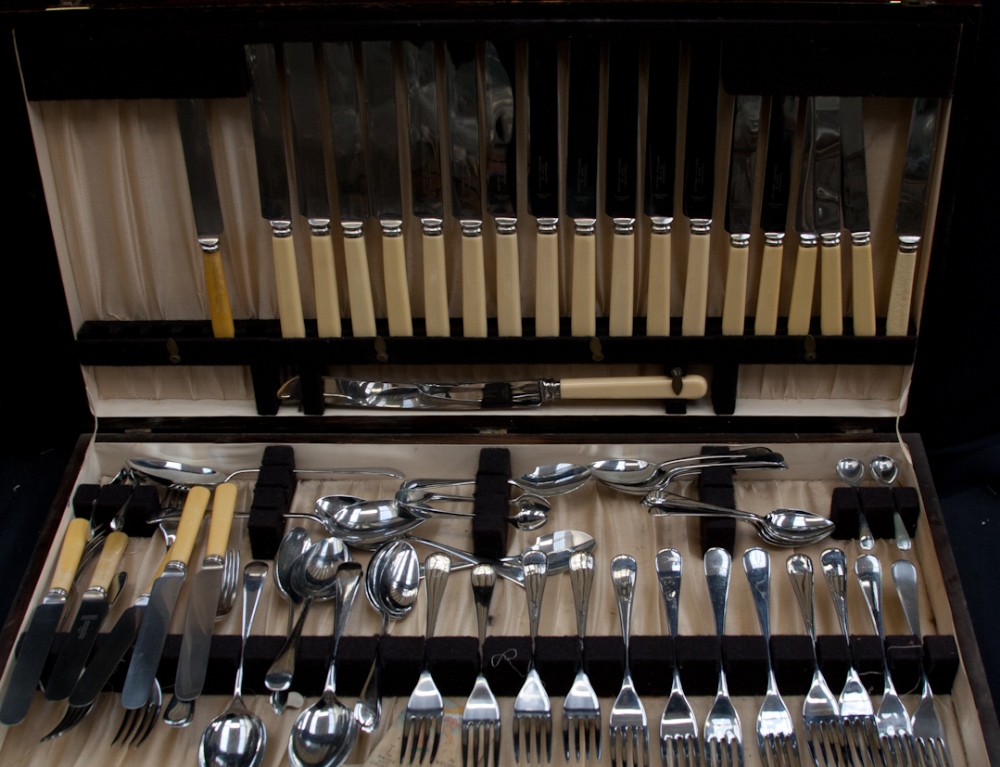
x=470 y=242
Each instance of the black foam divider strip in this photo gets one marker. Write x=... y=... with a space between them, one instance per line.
x=272 y=499
x=490 y=528
x=878 y=504
x=844 y=507
x=868 y=657
x=84 y=499
x=145 y=504
x=793 y=663
x=834 y=656
x=908 y=505
x=101 y=504
x=278 y=455
x=905 y=655
x=941 y=662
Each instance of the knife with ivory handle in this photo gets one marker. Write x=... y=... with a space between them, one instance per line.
x=854 y=198
x=827 y=180
x=804 y=279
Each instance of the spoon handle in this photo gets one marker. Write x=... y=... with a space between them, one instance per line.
x=623 y=572
x=348 y=578
x=834 y=564
x=254 y=575
x=668 y=573
x=279 y=675
x=800 y=572
x=717 y=568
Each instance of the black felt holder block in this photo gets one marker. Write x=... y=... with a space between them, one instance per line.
x=278 y=455
x=276 y=476
x=844 y=507
x=715 y=486
x=494 y=460
x=506 y=661
x=745 y=660
x=265 y=528
x=793 y=663
x=698 y=658
x=354 y=660
x=490 y=528
x=603 y=660
x=110 y=500
x=908 y=505
x=834 y=656
x=718 y=495
x=905 y=655
x=454 y=663
x=556 y=659
x=652 y=663
x=878 y=506
x=84 y=499
x=866 y=652
x=312 y=658
x=144 y=505
x=402 y=660
x=941 y=662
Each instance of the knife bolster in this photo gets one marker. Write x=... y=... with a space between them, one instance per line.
x=548 y=225
x=209 y=244
x=701 y=226
x=319 y=227
x=624 y=226
x=861 y=238
x=506 y=225
x=584 y=227
x=471 y=227
x=391 y=227
x=433 y=227
x=661 y=224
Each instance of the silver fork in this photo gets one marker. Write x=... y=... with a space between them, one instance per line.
x=776 y=738
x=425 y=709
x=230 y=583
x=532 y=709
x=678 y=728
x=138 y=723
x=628 y=717
x=722 y=726
x=893 y=722
x=481 y=718
x=824 y=729
x=582 y=709
x=927 y=731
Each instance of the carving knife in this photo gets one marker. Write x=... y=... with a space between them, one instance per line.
x=425 y=177
x=739 y=210
x=501 y=182
x=37 y=640
x=352 y=180
x=205 y=586
x=166 y=588
x=699 y=180
x=383 y=177
x=774 y=208
x=581 y=180
x=661 y=168
x=310 y=176
x=94 y=606
x=826 y=178
x=463 y=125
x=207 y=211
x=910 y=211
x=272 y=181
x=543 y=181
x=804 y=279
x=620 y=196
x=854 y=197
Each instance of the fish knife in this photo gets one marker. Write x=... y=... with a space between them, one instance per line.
x=854 y=197
x=804 y=278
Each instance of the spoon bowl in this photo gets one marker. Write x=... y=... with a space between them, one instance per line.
x=851 y=471
x=884 y=469
x=553 y=479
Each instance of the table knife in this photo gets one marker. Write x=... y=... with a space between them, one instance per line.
x=383 y=180
x=310 y=177
x=827 y=179
x=426 y=179
x=543 y=180
x=620 y=195
x=37 y=640
x=462 y=81
x=782 y=126
x=699 y=180
x=739 y=210
x=854 y=197
x=910 y=211
x=501 y=181
x=166 y=588
x=352 y=181
x=207 y=211
x=804 y=278
x=94 y=606
x=661 y=168
x=205 y=586
x=581 y=181
x=272 y=181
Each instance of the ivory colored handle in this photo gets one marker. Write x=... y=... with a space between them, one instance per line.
x=547 y=285
x=831 y=298
x=508 y=286
x=286 y=279
x=622 y=284
x=473 y=288
x=218 y=296
x=77 y=535
x=734 y=306
x=658 y=296
x=187 y=528
x=863 y=288
x=325 y=285
x=359 y=288
x=583 y=321
x=397 y=293
x=223 y=508
x=897 y=320
x=632 y=387
x=766 y=319
x=435 y=287
x=803 y=282
x=696 y=286
x=111 y=556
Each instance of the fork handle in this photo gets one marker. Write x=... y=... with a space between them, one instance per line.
x=904 y=575
x=623 y=572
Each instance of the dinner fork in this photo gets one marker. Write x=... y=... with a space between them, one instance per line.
x=481 y=717
x=893 y=722
x=776 y=738
x=532 y=709
x=628 y=717
x=722 y=726
x=927 y=731
x=678 y=728
x=425 y=710
x=821 y=720
x=582 y=709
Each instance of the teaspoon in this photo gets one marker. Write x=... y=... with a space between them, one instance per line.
x=885 y=471
x=852 y=471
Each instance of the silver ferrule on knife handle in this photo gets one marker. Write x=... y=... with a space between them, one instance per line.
x=319 y=227
x=397 y=293
x=831 y=308
x=803 y=283
x=696 y=285
x=473 y=279
x=661 y=224
x=624 y=226
x=769 y=289
x=658 y=296
x=622 y=277
x=471 y=228
x=436 y=316
x=547 y=277
x=286 y=275
x=734 y=304
x=897 y=319
x=432 y=227
x=506 y=225
x=582 y=316
x=359 y=286
x=209 y=244
x=861 y=238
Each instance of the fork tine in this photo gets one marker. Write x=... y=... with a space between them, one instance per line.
x=597 y=728
x=613 y=745
x=515 y=728
x=496 y=743
x=406 y=737
x=436 y=724
x=424 y=737
x=465 y=745
x=940 y=749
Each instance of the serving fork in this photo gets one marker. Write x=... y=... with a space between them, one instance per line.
x=532 y=709
x=481 y=717
x=723 y=729
x=628 y=717
x=582 y=709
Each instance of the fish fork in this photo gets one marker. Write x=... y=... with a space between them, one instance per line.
x=722 y=726
x=628 y=717
x=582 y=709
x=776 y=739
x=138 y=723
x=893 y=722
x=481 y=717
x=532 y=709
x=824 y=728
x=425 y=709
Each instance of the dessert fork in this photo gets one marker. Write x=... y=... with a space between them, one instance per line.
x=722 y=726
x=582 y=709
x=481 y=717
x=532 y=709
x=628 y=717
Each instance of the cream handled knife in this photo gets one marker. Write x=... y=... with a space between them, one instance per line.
x=827 y=181
x=854 y=189
x=804 y=279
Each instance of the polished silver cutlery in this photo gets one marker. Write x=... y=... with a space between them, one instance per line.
x=481 y=720
x=885 y=471
x=582 y=708
x=532 y=707
x=804 y=277
x=827 y=181
x=852 y=472
x=723 y=729
x=856 y=213
x=627 y=723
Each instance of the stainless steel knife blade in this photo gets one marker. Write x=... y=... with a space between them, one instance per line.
x=827 y=179
x=854 y=198
x=804 y=279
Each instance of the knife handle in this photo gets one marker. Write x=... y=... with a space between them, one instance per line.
x=223 y=508
x=632 y=387
x=734 y=306
x=111 y=556
x=436 y=314
x=187 y=528
x=397 y=293
x=325 y=286
x=766 y=319
x=658 y=297
x=359 y=285
x=77 y=535
x=218 y=295
x=509 y=285
x=547 y=282
x=800 y=311
x=622 y=282
x=473 y=286
x=286 y=279
x=863 y=289
x=831 y=299
x=696 y=284
x=582 y=316
x=897 y=320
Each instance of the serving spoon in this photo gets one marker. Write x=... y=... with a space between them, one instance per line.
x=665 y=473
